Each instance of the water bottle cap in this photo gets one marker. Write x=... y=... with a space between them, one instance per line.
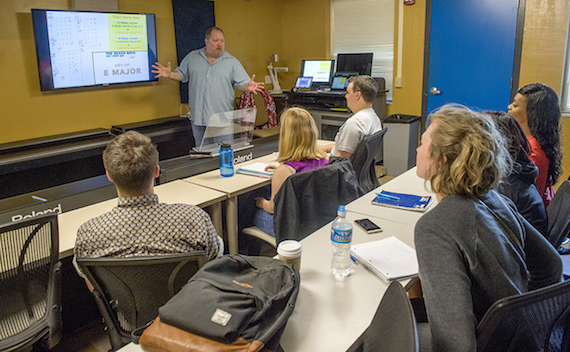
x=225 y=145
x=341 y=210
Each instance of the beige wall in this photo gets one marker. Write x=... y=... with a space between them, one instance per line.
x=295 y=29
x=28 y=112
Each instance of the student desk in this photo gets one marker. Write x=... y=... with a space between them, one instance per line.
x=408 y=182
x=330 y=314
x=233 y=187
x=171 y=192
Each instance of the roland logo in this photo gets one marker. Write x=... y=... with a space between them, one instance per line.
x=37 y=213
x=243 y=158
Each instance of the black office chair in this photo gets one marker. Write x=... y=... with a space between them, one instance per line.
x=30 y=284
x=558 y=211
x=538 y=320
x=364 y=162
x=129 y=291
x=393 y=327
x=308 y=200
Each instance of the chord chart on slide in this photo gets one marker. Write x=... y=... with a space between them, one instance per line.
x=97 y=48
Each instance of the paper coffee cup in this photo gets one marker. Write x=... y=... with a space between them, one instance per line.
x=290 y=252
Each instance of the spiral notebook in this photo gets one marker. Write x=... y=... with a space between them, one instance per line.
x=390 y=258
x=255 y=169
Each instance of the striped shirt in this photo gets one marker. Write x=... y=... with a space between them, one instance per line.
x=211 y=87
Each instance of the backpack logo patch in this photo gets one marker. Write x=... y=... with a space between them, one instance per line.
x=220 y=317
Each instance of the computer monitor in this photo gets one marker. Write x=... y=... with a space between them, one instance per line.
x=360 y=63
x=321 y=70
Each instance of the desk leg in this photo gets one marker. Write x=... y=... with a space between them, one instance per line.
x=215 y=211
x=232 y=224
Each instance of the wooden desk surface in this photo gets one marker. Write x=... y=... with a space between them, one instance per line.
x=408 y=182
x=330 y=314
x=236 y=184
x=171 y=192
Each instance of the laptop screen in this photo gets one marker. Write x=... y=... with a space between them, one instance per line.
x=304 y=82
x=340 y=83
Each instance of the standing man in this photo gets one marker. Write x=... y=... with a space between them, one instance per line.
x=360 y=95
x=211 y=73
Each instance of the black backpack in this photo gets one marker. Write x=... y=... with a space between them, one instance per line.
x=237 y=303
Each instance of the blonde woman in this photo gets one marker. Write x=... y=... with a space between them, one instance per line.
x=298 y=152
x=474 y=247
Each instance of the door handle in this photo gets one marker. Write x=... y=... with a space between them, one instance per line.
x=435 y=91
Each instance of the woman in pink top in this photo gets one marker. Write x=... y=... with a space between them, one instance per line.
x=298 y=151
x=536 y=109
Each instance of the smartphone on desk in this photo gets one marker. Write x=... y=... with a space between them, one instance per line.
x=368 y=226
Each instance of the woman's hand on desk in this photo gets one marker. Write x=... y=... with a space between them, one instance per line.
x=271 y=167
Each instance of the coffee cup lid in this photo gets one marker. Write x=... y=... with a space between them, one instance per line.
x=289 y=248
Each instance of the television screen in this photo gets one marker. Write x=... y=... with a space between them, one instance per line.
x=360 y=63
x=321 y=70
x=80 y=49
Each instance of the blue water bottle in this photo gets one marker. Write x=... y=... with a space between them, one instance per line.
x=226 y=160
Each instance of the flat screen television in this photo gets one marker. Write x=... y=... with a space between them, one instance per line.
x=360 y=63
x=321 y=70
x=81 y=49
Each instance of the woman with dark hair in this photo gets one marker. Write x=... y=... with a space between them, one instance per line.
x=536 y=109
x=474 y=247
x=520 y=185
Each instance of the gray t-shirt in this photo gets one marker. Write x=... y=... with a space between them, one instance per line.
x=364 y=123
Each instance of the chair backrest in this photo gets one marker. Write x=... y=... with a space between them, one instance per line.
x=558 y=211
x=534 y=321
x=129 y=291
x=393 y=327
x=363 y=160
x=264 y=103
x=308 y=200
x=30 y=283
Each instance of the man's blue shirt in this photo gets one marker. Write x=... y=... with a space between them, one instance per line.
x=211 y=87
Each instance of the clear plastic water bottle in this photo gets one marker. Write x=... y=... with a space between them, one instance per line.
x=341 y=237
x=226 y=160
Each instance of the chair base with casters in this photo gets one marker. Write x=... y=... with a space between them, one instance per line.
x=30 y=284
x=538 y=320
x=393 y=327
x=129 y=291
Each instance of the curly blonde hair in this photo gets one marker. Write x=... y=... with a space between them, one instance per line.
x=298 y=136
x=470 y=155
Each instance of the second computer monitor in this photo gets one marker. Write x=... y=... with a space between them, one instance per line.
x=360 y=63
x=321 y=70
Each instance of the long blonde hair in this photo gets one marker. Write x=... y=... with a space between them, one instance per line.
x=298 y=136
x=470 y=155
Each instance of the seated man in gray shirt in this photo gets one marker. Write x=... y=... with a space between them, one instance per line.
x=360 y=95
x=139 y=225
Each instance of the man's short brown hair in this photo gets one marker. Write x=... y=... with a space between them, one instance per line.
x=131 y=160
x=209 y=31
x=366 y=85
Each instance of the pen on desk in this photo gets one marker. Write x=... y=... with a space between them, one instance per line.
x=40 y=199
x=387 y=196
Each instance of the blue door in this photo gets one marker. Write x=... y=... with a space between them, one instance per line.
x=471 y=53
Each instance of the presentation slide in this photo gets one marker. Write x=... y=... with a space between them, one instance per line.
x=321 y=70
x=97 y=48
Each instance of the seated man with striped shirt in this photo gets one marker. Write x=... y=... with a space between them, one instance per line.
x=139 y=225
